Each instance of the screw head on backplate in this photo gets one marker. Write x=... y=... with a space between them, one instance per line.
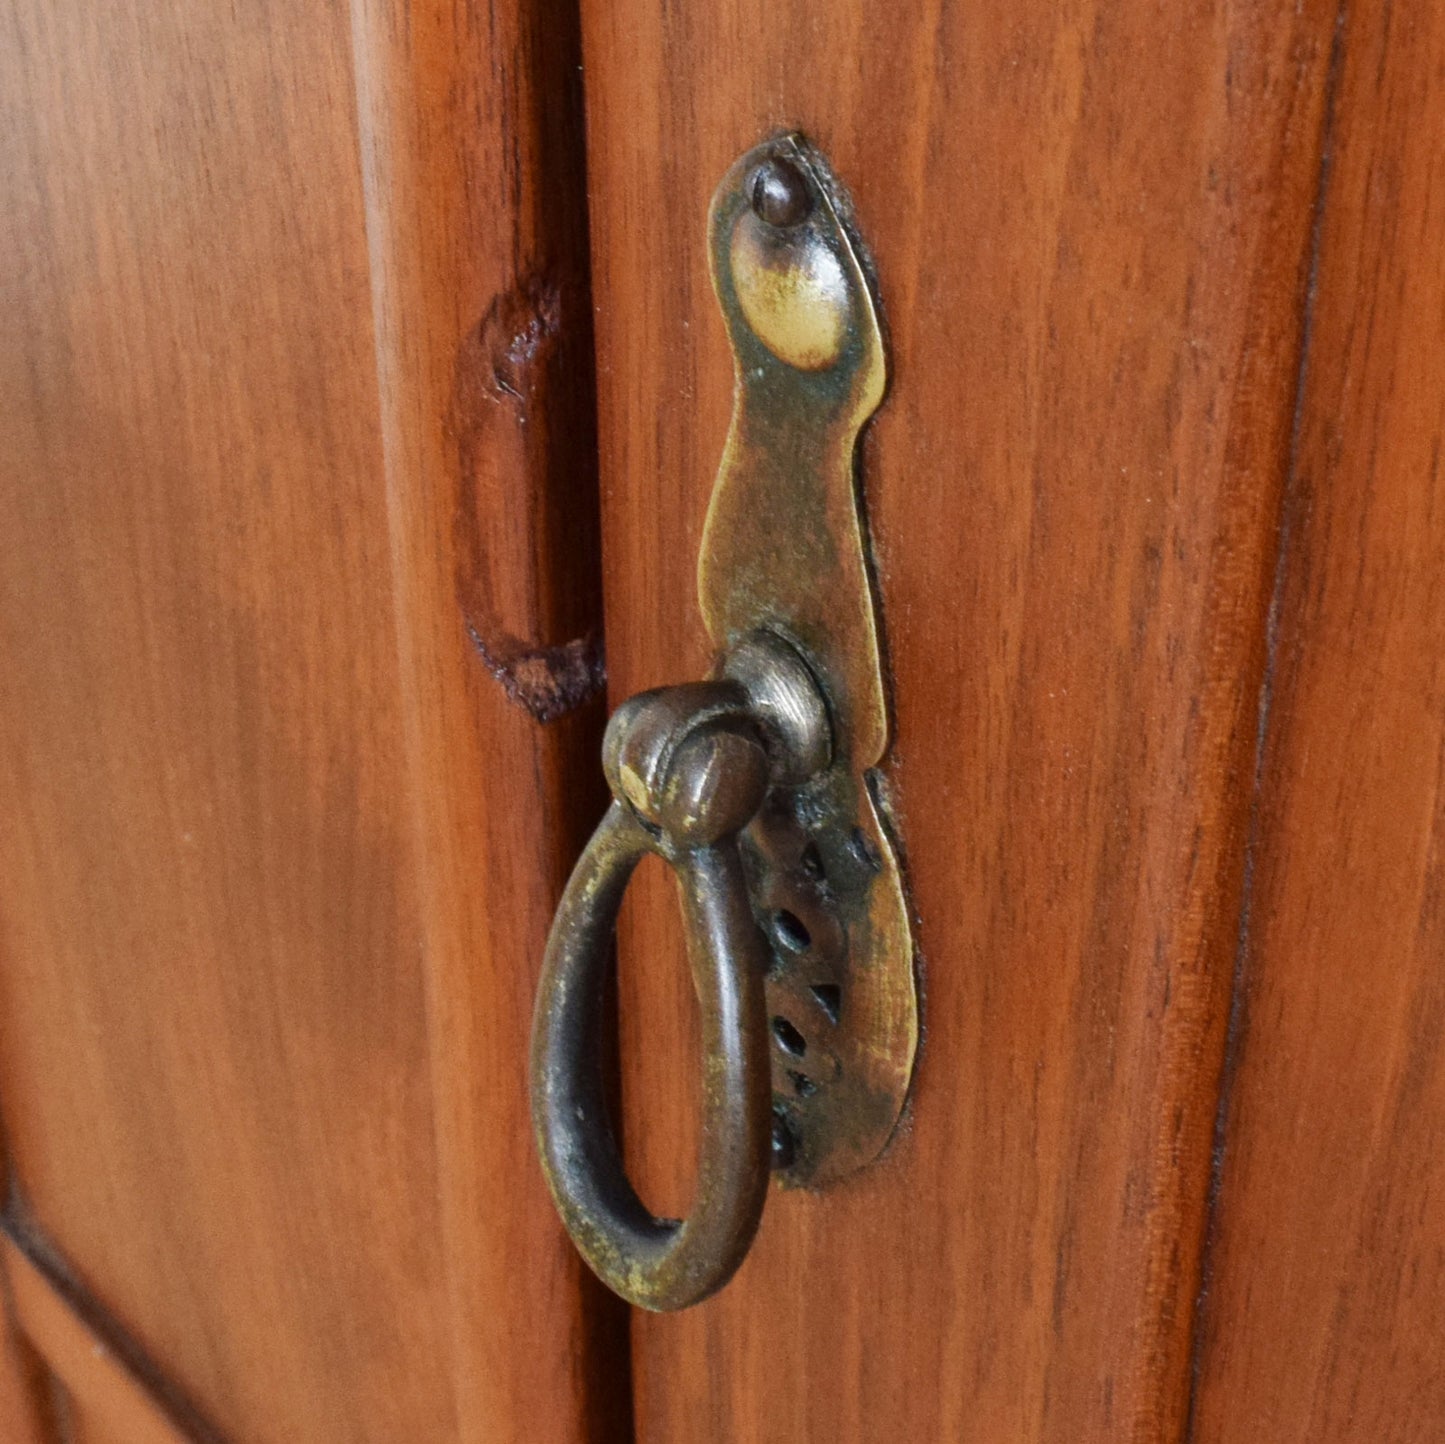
x=778 y=193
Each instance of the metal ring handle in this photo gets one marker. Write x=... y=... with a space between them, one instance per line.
x=688 y=771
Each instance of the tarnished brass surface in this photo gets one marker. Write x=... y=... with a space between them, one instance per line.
x=784 y=552
x=783 y=546
x=758 y=787
x=688 y=772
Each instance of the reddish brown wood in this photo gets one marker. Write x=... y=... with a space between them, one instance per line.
x=278 y=848
x=106 y=1401
x=298 y=616
x=1090 y=223
x=476 y=214
x=1325 y=1315
x=25 y=1415
x=27 y=1393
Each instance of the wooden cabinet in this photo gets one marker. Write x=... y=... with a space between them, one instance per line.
x=360 y=373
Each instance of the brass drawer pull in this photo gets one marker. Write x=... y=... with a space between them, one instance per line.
x=688 y=771
x=758 y=788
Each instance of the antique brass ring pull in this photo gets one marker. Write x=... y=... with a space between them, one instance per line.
x=689 y=768
x=759 y=788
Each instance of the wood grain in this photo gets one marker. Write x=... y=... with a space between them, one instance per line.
x=27 y=1389
x=103 y=1392
x=25 y=1414
x=1325 y=1315
x=1090 y=224
x=476 y=212
x=278 y=843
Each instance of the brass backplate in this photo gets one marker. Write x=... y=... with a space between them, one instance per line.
x=784 y=554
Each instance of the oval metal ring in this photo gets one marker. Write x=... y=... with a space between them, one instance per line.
x=656 y=1263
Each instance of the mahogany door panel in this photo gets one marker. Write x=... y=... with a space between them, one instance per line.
x=1325 y=1312
x=286 y=719
x=1090 y=224
x=24 y=1392
x=90 y=1387
x=327 y=327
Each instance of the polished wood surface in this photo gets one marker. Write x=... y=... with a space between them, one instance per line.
x=27 y=1403
x=284 y=813
x=302 y=578
x=25 y=1415
x=472 y=153
x=213 y=1051
x=1325 y=1314
x=1090 y=224
x=103 y=1399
